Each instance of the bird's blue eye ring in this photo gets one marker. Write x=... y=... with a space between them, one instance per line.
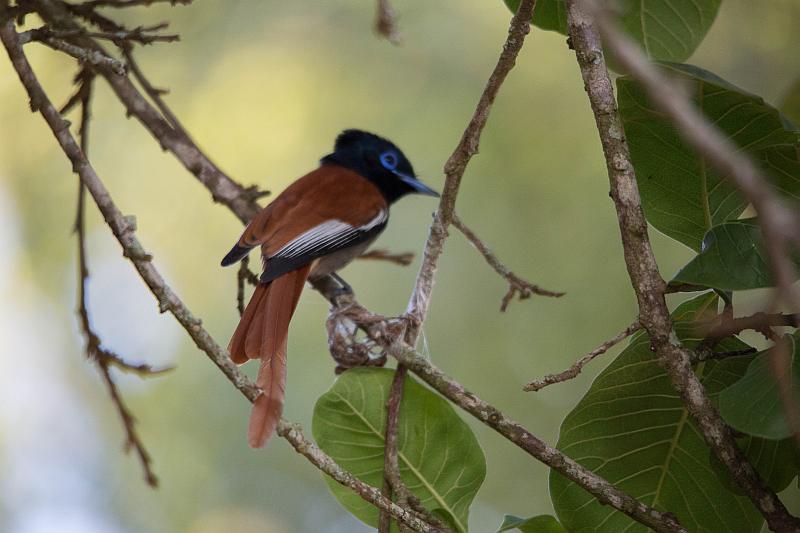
x=389 y=160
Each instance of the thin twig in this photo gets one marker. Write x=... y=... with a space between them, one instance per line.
x=140 y=34
x=701 y=355
x=102 y=357
x=244 y=275
x=168 y=300
x=92 y=4
x=393 y=482
x=84 y=55
x=643 y=269
x=154 y=93
x=239 y=199
x=402 y=259
x=419 y=301
x=516 y=285
x=760 y=322
x=386 y=22
x=457 y=164
x=573 y=371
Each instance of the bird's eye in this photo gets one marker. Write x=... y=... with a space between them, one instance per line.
x=389 y=160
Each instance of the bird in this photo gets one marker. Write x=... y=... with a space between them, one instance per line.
x=316 y=226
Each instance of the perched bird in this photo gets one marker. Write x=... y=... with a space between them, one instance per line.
x=316 y=226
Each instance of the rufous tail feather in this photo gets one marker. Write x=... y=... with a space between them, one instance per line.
x=262 y=334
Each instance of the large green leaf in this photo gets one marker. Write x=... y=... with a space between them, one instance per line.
x=682 y=195
x=775 y=460
x=731 y=257
x=536 y=524
x=790 y=106
x=753 y=404
x=632 y=428
x=667 y=29
x=440 y=459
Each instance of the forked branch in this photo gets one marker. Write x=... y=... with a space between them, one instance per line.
x=573 y=371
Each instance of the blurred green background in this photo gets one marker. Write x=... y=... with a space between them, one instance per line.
x=264 y=87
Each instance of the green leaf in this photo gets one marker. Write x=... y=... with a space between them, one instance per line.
x=753 y=404
x=775 y=460
x=440 y=459
x=669 y=30
x=550 y=15
x=731 y=257
x=791 y=102
x=631 y=427
x=537 y=524
x=682 y=195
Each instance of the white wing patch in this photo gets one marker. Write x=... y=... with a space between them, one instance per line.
x=332 y=234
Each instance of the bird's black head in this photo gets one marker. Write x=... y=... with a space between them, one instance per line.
x=378 y=160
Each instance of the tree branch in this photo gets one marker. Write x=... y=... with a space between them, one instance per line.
x=92 y=4
x=402 y=259
x=516 y=285
x=124 y=231
x=241 y=200
x=645 y=277
x=458 y=161
x=419 y=301
x=779 y=223
x=573 y=371
x=760 y=322
x=94 y=58
x=140 y=34
x=102 y=357
x=386 y=22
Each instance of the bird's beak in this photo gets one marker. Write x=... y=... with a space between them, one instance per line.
x=417 y=185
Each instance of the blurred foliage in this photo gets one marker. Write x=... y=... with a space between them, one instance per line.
x=265 y=86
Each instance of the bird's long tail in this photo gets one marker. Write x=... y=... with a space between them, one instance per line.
x=262 y=334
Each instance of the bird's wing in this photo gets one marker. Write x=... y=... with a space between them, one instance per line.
x=326 y=210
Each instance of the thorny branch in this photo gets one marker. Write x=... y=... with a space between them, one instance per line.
x=102 y=357
x=641 y=264
x=168 y=301
x=573 y=371
x=516 y=285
